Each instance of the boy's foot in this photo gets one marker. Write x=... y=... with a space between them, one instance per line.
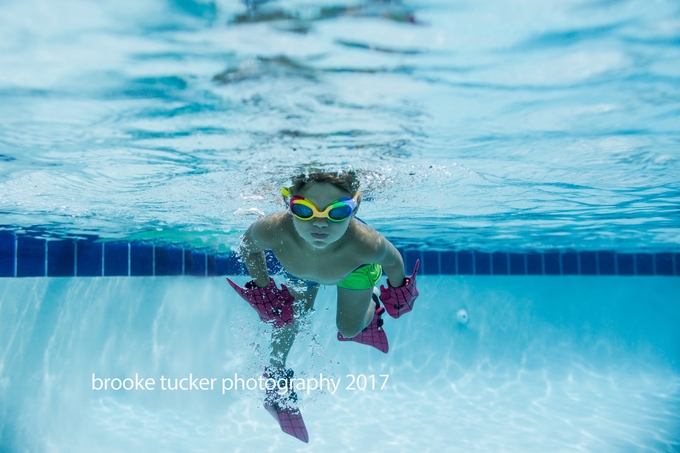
x=373 y=334
x=283 y=406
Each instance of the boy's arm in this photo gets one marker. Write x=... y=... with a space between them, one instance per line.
x=392 y=263
x=252 y=252
x=401 y=292
x=271 y=303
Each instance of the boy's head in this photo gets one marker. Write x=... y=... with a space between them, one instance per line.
x=322 y=189
x=343 y=180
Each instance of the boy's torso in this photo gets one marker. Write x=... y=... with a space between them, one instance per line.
x=328 y=266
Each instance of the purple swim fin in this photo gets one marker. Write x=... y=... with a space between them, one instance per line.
x=290 y=421
x=373 y=334
x=284 y=409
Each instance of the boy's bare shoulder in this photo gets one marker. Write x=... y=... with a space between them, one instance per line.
x=266 y=230
x=369 y=243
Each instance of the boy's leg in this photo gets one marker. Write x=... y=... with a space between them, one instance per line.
x=283 y=338
x=355 y=310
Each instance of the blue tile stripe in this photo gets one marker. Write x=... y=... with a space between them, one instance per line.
x=31 y=257
x=22 y=255
x=61 y=258
x=8 y=245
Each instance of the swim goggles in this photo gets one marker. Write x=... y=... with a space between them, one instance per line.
x=304 y=209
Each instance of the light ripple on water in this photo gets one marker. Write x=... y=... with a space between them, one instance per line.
x=530 y=371
x=565 y=102
x=583 y=413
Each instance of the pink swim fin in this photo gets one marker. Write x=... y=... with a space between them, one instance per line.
x=290 y=420
x=373 y=334
x=283 y=407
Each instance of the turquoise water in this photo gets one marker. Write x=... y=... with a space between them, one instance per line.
x=500 y=125
x=481 y=126
x=555 y=364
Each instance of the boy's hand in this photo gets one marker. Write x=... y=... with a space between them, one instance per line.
x=272 y=304
x=400 y=300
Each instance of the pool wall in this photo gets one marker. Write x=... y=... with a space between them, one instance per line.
x=560 y=351
x=29 y=256
x=544 y=363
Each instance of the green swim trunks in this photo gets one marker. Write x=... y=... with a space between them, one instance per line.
x=363 y=277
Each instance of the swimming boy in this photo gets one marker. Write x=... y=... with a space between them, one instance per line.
x=319 y=240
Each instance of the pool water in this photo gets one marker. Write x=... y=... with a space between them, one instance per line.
x=554 y=364
x=500 y=125
x=534 y=142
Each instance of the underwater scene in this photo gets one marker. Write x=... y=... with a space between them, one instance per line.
x=468 y=211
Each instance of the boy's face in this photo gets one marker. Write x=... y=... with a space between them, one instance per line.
x=318 y=232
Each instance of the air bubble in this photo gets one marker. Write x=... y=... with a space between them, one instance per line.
x=462 y=317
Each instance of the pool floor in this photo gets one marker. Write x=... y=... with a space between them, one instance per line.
x=544 y=364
